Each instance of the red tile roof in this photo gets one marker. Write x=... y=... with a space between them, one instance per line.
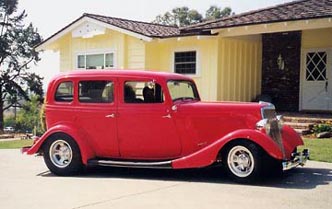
x=296 y=10
x=147 y=29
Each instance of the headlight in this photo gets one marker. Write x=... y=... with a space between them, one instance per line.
x=263 y=124
x=266 y=124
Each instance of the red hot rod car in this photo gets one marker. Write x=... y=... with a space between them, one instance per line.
x=157 y=120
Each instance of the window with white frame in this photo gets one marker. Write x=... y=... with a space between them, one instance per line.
x=185 y=62
x=95 y=61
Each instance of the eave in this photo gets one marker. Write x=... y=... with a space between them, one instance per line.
x=253 y=29
x=51 y=40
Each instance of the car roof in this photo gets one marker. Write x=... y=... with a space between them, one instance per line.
x=121 y=73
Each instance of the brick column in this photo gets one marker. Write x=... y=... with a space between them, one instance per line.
x=281 y=69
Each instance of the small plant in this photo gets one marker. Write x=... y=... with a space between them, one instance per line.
x=320 y=128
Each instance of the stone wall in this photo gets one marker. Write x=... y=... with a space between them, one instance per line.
x=281 y=69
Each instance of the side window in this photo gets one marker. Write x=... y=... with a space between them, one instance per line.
x=96 y=92
x=64 y=92
x=143 y=92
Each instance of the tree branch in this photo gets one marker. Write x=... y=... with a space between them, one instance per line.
x=7 y=107
x=20 y=68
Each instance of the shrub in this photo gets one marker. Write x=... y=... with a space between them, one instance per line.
x=319 y=128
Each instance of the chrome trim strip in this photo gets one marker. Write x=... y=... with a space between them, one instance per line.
x=127 y=164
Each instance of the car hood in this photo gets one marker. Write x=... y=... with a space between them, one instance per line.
x=249 y=113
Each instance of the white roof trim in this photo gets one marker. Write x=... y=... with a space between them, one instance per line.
x=284 y=26
x=70 y=28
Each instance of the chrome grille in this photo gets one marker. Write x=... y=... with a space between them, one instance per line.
x=269 y=113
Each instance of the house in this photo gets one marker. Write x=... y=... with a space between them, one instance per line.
x=282 y=52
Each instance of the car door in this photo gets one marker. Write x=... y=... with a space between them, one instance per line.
x=96 y=115
x=146 y=129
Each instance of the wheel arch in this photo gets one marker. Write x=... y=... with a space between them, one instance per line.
x=211 y=153
x=82 y=142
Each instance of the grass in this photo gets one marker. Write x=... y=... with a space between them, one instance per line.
x=16 y=144
x=320 y=149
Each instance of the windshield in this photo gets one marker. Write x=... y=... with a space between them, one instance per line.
x=182 y=90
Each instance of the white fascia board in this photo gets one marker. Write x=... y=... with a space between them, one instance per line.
x=121 y=30
x=44 y=45
x=59 y=35
x=285 y=26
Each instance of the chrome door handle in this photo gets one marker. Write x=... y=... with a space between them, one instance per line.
x=167 y=116
x=110 y=116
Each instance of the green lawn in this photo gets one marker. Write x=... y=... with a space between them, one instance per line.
x=320 y=149
x=17 y=144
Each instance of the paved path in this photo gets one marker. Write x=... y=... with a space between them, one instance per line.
x=26 y=183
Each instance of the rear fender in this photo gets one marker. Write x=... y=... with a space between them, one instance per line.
x=208 y=155
x=86 y=151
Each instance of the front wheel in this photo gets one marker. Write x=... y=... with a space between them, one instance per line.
x=62 y=155
x=242 y=161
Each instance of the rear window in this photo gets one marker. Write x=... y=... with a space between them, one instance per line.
x=96 y=92
x=64 y=92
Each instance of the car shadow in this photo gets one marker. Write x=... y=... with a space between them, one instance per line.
x=299 y=178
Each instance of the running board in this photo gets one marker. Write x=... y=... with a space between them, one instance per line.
x=127 y=164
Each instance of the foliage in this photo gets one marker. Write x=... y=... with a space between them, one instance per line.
x=9 y=121
x=183 y=16
x=28 y=118
x=16 y=144
x=215 y=12
x=17 y=42
x=319 y=128
x=320 y=149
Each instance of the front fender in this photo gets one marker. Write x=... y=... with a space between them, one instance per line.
x=208 y=154
x=82 y=142
x=290 y=140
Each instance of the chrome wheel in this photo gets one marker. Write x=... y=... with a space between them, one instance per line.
x=60 y=153
x=240 y=161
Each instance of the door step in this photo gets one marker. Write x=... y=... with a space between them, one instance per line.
x=304 y=123
x=128 y=164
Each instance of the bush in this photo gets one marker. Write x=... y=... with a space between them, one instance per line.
x=319 y=128
x=9 y=121
x=28 y=118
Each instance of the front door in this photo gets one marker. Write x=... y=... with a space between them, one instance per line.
x=316 y=75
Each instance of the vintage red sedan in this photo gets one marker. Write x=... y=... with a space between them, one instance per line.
x=145 y=119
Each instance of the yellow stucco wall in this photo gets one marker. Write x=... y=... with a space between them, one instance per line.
x=239 y=71
x=160 y=56
x=129 y=51
x=321 y=38
x=135 y=53
x=228 y=69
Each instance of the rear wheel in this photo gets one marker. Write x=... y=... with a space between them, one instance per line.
x=62 y=155
x=242 y=161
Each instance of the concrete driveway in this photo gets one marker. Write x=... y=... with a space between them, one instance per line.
x=26 y=183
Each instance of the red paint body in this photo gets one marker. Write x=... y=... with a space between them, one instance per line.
x=189 y=133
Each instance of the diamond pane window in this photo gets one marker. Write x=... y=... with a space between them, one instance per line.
x=316 y=66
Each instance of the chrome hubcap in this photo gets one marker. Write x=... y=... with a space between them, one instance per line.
x=61 y=153
x=240 y=161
